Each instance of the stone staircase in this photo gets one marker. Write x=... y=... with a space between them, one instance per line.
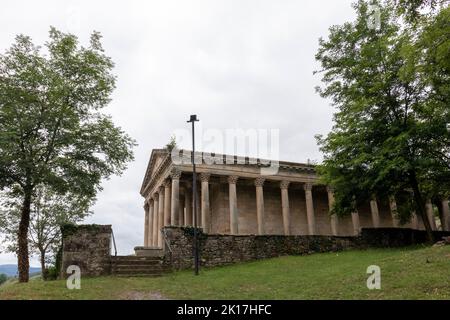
x=138 y=266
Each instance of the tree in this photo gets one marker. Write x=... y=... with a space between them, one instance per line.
x=411 y=9
x=172 y=144
x=389 y=135
x=48 y=212
x=3 y=278
x=52 y=129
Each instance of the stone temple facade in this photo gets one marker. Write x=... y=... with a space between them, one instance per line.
x=234 y=197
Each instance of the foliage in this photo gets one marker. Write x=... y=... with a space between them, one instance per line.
x=3 y=278
x=413 y=9
x=48 y=212
x=52 y=128
x=172 y=144
x=389 y=136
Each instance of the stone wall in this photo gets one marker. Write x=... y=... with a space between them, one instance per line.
x=89 y=247
x=217 y=250
x=396 y=237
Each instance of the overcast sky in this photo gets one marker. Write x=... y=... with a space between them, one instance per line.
x=237 y=64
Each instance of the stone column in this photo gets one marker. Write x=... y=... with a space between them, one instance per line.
x=414 y=221
x=175 y=203
x=150 y=224
x=445 y=215
x=188 y=205
x=160 y=215
x=146 y=224
x=155 y=220
x=430 y=214
x=204 y=178
x=167 y=191
x=234 y=228
x=260 y=214
x=310 y=209
x=393 y=208
x=334 y=219
x=375 y=213
x=355 y=222
x=285 y=209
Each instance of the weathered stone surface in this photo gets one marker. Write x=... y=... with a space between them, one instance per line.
x=89 y=247
x=217 y=249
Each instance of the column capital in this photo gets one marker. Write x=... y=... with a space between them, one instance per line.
x=284 y=184
x=232 y=179
x=330 y=189
x=308 y=186
x=204 y=177
x=146 y=205
x=167 y=183
x=175 y=173
x=161 y=189
x=259 y=182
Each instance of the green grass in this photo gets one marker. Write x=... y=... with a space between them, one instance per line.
x=408 y=273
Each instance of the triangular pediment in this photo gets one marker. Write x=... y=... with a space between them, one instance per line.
x=156 y=158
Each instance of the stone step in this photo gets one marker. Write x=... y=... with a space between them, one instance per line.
x=135 y=258
x=157 y=268
x=140 y=271
x=137 y=262
x=150 y=275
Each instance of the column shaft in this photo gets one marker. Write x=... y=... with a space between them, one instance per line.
x=285 y=209
x=355 y=222
x=175 y=203
x=150 y=224
x=445 y=215
x=334 y=219
x=393 y=208
x=414 y=221
x=167 y=203
x=160 y=215
x=204 y=178
x=310 y=209
x=375 y=213
x=260 y=213
x=155 y=220
x=234 y=228
x=146 y=224
x=430 y=214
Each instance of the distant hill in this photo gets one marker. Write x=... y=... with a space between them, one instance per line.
x=11 y=269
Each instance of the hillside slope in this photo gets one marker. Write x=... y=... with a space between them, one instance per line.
x=408 y=273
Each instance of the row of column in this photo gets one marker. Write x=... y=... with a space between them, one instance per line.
x=163 y=208
x=260 y=212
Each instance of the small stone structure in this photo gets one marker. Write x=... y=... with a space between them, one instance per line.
x=87 y=246
x=217 y=250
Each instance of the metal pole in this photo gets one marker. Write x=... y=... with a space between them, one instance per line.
x=193 y=119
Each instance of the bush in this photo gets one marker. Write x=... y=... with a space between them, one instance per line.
x=3 y=278
x=51 y=273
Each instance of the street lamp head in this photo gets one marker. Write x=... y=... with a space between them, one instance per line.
x=193 y=118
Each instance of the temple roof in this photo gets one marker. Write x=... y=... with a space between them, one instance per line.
x=162 y=156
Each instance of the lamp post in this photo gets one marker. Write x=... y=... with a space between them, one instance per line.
x=192 y=120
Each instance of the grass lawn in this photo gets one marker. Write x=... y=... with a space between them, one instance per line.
x=407 y=273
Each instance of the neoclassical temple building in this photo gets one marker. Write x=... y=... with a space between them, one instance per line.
x=234 y=198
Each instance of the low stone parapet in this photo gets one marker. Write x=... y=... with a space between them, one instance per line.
x=218 y=249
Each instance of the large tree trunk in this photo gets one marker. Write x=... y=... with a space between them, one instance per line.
x=22 y=254
x=420 y=204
